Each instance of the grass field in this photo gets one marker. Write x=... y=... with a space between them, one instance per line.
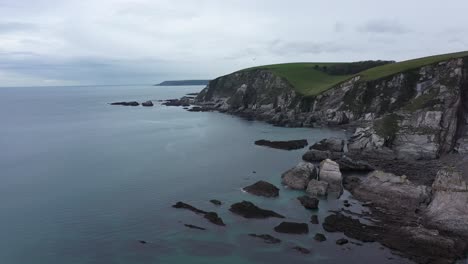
x=309 y=81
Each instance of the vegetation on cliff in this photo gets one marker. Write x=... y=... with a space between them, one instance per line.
x=311 y=79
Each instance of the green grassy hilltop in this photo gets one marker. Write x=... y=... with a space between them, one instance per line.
x=311 y=78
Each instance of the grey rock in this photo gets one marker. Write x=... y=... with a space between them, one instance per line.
x=299 y=176
x=262 y=188
x=317 y=188
x=320 y=237
x=309 y=202
x=348 y=164
x=330 y=173
x=329 y=144
x=147 y=104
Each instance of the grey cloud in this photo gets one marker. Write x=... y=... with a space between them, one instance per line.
x=383 y=27
x=279 y=47
x=8 y=27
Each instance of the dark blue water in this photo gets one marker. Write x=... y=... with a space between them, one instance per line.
x=82 y=181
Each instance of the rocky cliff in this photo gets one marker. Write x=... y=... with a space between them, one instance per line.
x=415 y=114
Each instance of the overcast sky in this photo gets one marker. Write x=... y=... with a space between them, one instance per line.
x=62 y=42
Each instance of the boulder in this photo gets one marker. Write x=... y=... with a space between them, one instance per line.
x=317 y=188
x=147 y=103
x=286 y=145
x=320 y=237
x=262 y=188
x=309 y=202
x=249 y=210
x=330 y=173
x=329 y=144
x=299 y=176
x=292 y=228
x=267 y=238
x=448 y=209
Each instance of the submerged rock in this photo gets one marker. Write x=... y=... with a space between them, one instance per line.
x=320 y=237
x=262 y=188
x=210 y=216
x=147 y=103
x=330 y=173
x=286 y=145
x=194 y=227
x=216 y=202
x=317 y=188
x=309 y=202
x=351 y=227
x=314 y=219
x=249 y=210
x=292 y=228
x=342 y=241
x=301 y=250
x=267 y=238
x=299 y=176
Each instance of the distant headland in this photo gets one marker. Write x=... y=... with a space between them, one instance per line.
x=183 y=83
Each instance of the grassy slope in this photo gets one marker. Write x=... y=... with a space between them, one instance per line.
x=311 y=82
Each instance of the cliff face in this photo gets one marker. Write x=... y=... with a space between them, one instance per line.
x=418 y=114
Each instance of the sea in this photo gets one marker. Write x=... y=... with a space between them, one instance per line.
x=83 y=181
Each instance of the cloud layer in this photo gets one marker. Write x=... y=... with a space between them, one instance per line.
x=52 y=42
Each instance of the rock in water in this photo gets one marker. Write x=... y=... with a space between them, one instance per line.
x=194 y=227
x=292 y=228
x=309 y=202
x=132 y=103
x=299 y=176
x=249 y=210
x=301 y=250
x=267 y=238
x=317 y=188
x=330 y=173
x=314 y=220
x=214 y=218
x=262 y=188
x=216 y=202
x=147 y=103
x=342 y=241
x=286 y=145
x=181 y=205
x=320 y=237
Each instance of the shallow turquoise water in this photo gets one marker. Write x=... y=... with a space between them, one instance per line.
x=82 y=181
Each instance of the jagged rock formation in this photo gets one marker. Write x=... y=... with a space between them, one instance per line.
x=416 y=114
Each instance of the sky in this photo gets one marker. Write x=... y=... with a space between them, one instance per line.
x=88 y=42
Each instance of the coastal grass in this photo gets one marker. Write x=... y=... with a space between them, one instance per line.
x=305 y=77
x=309 y=80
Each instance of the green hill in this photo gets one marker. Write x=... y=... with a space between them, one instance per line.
x=311 y=78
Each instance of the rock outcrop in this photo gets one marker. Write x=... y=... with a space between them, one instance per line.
x=250 y=210
x=285 y=145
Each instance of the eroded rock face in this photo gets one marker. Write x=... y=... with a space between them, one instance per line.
x=262 y=188
x=448 y=209
x=330 y=173
x=299 y=176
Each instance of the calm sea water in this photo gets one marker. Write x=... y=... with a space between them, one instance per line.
x=82 y=182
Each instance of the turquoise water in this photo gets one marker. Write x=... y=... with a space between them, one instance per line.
x=82 y=181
